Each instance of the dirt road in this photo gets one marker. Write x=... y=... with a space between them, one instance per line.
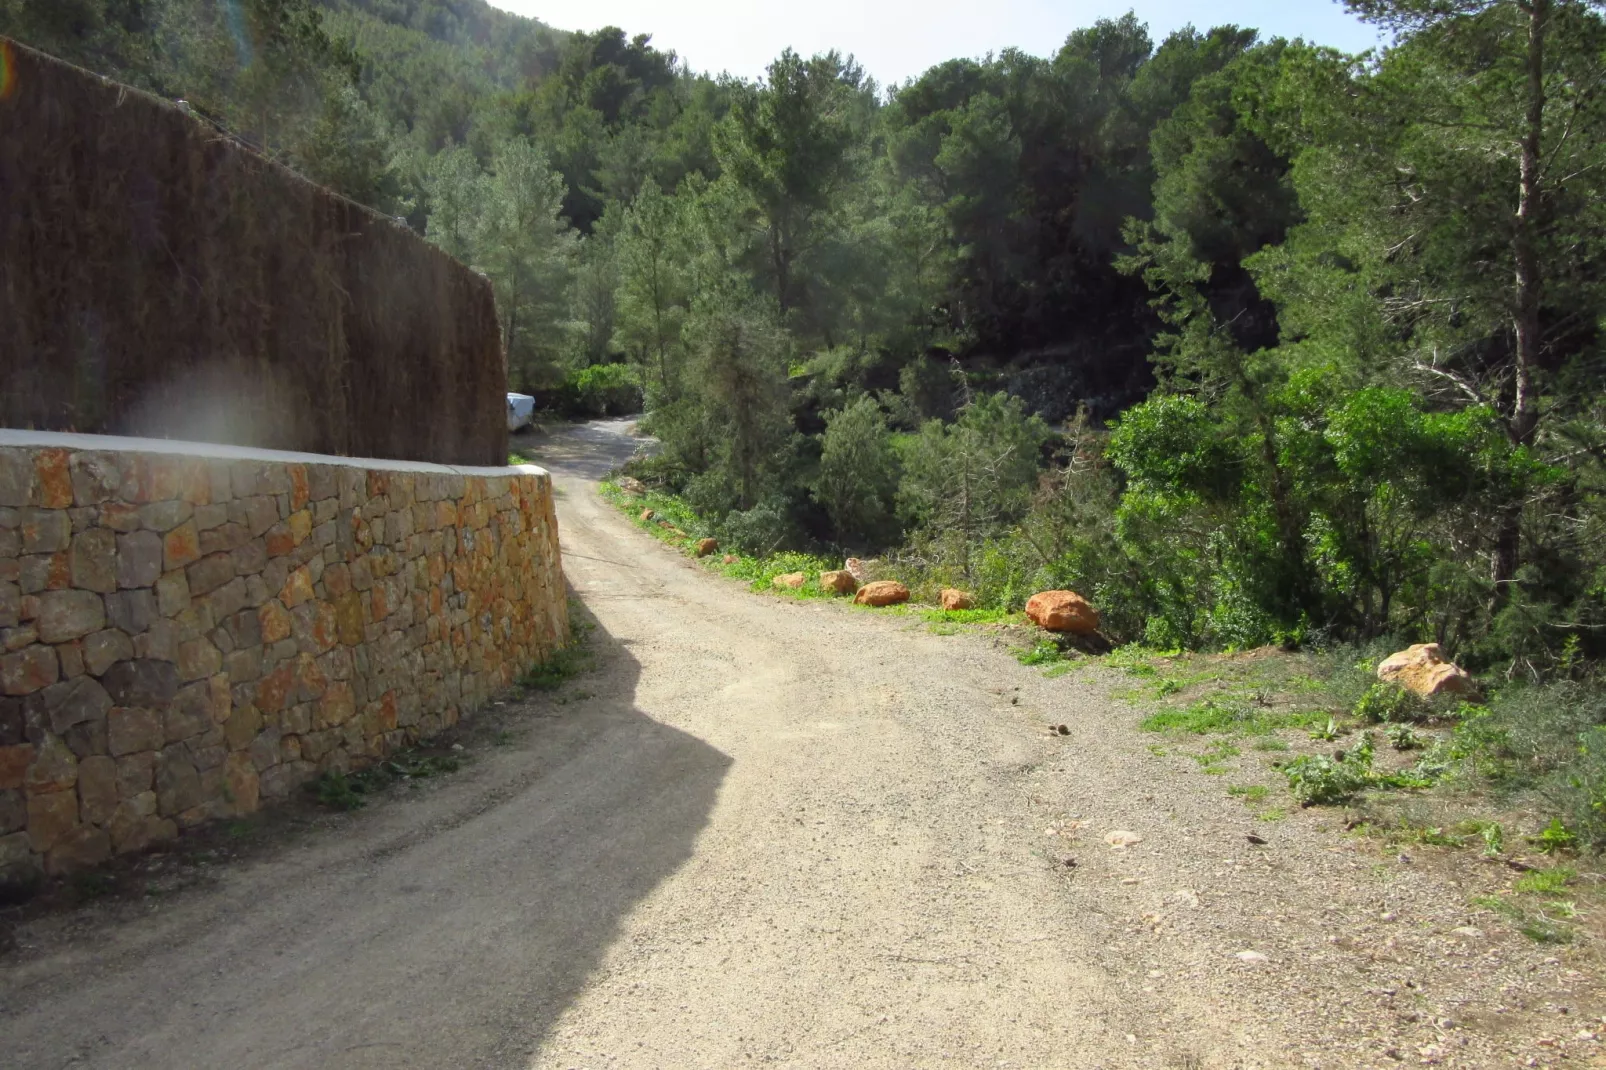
x=767 y=831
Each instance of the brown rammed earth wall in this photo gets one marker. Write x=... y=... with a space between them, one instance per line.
x=157 y=278
x=185 y=638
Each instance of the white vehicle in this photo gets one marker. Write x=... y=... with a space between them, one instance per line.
x=520 y=411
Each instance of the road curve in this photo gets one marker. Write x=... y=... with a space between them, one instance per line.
x=768 y=831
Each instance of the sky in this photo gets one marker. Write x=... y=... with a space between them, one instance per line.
x=898 y=39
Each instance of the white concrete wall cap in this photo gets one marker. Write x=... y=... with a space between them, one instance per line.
x=215 y=451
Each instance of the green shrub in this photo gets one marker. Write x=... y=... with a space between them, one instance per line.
x=1317 y=780
x=1546 y=743
x=600 y=390
x=1386 y=703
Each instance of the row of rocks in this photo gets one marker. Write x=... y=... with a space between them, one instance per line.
x=182 y=638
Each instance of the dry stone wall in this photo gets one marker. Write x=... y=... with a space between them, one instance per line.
x=188 y=636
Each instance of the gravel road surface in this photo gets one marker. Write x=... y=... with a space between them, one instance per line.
x=766 y=831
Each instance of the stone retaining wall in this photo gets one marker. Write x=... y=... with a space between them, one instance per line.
x=188 y=632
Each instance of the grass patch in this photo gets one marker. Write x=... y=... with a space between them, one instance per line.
x=1208 y=716
x=969 y=616
x=1546 y=881
x=1545 y=924
x=1249 y=793
x=1045 y=652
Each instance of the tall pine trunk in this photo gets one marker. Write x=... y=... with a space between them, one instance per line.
x=1529 y=283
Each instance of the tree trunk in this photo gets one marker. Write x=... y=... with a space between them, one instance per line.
x=781 y=256
x=1529 y=282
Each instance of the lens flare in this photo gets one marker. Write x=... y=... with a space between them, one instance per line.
x=236 y=23
x=8 y=71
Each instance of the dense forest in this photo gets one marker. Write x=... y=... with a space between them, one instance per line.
x=1249 y=340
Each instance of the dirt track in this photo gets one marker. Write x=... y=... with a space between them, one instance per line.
x=798 y=834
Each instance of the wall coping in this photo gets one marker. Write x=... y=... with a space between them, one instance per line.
x=217 y=451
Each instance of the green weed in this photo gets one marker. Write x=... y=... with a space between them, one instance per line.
x=1328 y=732
x=1402 y=737
x=350 y=791
x=1384 y=702
x=1536 y=925
x=1249 y=793
x=1546 y=881
x=967 y=616
x=1045 y=652
x=1555 y=837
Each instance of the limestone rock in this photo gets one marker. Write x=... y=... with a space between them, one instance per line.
x=859 y=570
x=1062 y=611
x=28 y=670
x=881 y=593
x=1422 y=669
x=953 y=599
x=139 y=559
x=790 y=580
x=65 y=615
x=840 y=581
x=647 y=515
x=706 y=546
x=632 y=486
x=729 y=559
x=94 y=560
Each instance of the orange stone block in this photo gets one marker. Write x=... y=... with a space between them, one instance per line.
x=59 y=575
x=274 y=688
x=120 y=516
x=378 y=483
x=52 y=479
x=337 y=706
x=278 y=540
x=181 y=546
x=297 y=588
x=310 y=679
x=298 y=486
x=158 y=479
x=14 y=762
x=275 y=621
x=195 y=482
x=325 y=626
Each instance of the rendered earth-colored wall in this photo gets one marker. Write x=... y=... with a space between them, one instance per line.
x=188 y=632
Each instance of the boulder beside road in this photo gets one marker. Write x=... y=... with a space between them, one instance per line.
x=840 y=581
x=882 y=593
x=1062 y=611
x=1423 y=670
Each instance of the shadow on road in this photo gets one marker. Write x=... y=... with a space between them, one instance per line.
x=448 y=929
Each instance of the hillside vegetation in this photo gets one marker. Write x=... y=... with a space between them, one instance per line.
x=1249 y=341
